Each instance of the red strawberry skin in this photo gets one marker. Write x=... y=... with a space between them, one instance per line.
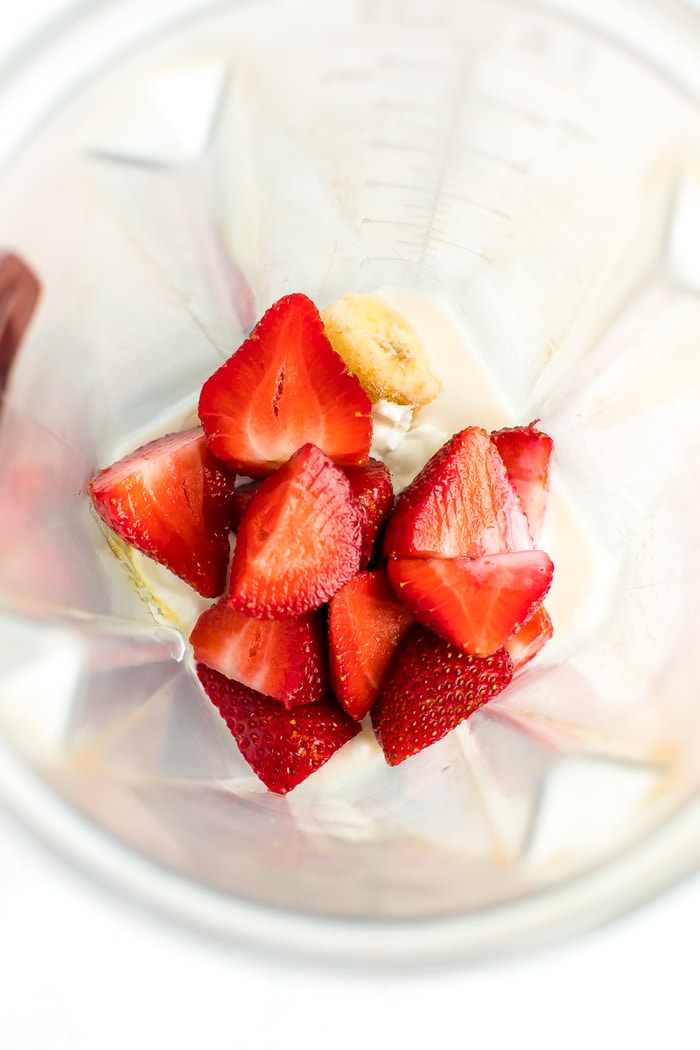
x=526 y=453
x=432 y=687
x=475 y=603
x=283 y=387
x=171 y=500
x=460 y=505
x=283 y=747
x=284 y=659
x=299 y=541
x=366 y=622
x=374 y=491
x=527 y=641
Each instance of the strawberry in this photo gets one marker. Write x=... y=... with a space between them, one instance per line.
x=284 y=659
x=372 y=487
x=475 y=603
x=170 y=499
x=299 y=541
x=526 y=642
x=461 y=504
x=432 y=687
x=282 y=747
x=283 y=387
x=366 y=622
x=526 y=453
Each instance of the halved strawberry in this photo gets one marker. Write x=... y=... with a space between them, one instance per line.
x=284 y=386
x=374 y=491
x=282 y=747
x=461 y=504
x=299 y=541
x=432 y=687
x=171 y=499
x=526 y=642
x=365 y=625
x=476 y=603
x=526 y=453
x=284 y=659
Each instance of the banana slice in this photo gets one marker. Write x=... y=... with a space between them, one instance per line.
x=382 y=349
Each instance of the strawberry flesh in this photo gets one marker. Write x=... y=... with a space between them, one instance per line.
x=527 y=641
x=526 y=453
x=299 y=541
x=366 y=622
x=284 y=659
x=374 y=491
x=282 y=747
x=171 y=500
x=283 y=387
x=475 y=603
x=432 y=687
x=460 y=505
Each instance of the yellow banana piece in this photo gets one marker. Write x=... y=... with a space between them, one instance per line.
x=379 y=345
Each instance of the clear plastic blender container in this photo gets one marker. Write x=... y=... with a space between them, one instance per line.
x=529 y=186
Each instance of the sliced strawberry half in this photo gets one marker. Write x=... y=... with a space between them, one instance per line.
x=365 y=625
x=374 y=491
x=284 y=659
x=526 y=453
x=299 y=541
x=476 y=603
x=171 y=500
x=527 y=641
x=432 y=687
x=461 y=504
x=283 y=747
x=284 y=386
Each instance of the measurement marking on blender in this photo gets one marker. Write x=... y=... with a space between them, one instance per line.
x=393 y=222
x=452 y=195
x=450 y=137
x=507 y=107
x=460 y=247
x=369 y=260
x=548 y=78
x=562 y=122
x=460 y=198
x=494 y=158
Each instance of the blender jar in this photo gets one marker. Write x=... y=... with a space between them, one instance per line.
x=527 y=186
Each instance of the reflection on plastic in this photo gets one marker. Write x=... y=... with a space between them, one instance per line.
x=19 y=293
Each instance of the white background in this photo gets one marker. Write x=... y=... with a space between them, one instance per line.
x=80 y=969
